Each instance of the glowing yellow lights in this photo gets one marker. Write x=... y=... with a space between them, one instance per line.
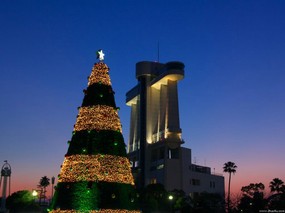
x=98 y=117
x=35 y=193
x=95 y=168
x=99 y=74
x=85 y=179
x=96 y=211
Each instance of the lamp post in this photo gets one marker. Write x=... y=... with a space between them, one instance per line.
x=52 y=184
x=170 y=198
x=34 y=194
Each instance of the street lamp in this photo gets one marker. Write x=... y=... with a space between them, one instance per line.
x=52 y=183
x=170 y=198
x=34 y=194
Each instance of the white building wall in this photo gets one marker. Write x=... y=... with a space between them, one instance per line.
x=206 y=183
x=173 y=172
x=134 y=124
x=163 y=131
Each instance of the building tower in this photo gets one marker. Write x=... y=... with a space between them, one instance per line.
x=155 y=141
x=6 y=177
x=154 y=117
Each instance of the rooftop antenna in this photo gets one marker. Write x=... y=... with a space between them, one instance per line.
x=158 y=51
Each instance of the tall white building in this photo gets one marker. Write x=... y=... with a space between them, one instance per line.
x=155 y=141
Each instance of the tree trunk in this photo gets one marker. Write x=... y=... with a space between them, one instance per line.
x=229 y=192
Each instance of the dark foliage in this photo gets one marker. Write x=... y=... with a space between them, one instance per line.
x=277 y=201
x=21 y=200
x=154 y=197
x=97 y=142
x=99 y=94
x=253 y=198
x=208 y=202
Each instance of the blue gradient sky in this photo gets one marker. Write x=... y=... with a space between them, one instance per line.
x=231 y=101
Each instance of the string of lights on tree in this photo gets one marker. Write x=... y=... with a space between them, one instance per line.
x=96 y=168
x=98 y=118
x=99 y=74
x=92 y=179
x=97 y=211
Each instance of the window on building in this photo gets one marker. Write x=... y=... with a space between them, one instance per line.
x=161 y=153
x=173 y=153
x=194 y=194
x=158 y=167
x=153 y=155
x=134 y=162
x=153 y=181
x=161 y=166
x=195 y=182
x=212 y=184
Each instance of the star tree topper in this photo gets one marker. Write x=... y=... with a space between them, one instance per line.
x=100 y=55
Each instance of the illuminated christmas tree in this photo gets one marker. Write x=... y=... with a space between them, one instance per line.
x=95 y=175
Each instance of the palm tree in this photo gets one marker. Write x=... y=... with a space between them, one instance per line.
x=229 y=167
x=44 y=182
x=276 y=185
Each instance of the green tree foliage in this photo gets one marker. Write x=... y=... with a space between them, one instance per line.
x=229 y=167
x=21 y=200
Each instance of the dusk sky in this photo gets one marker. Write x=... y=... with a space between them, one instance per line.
x=231 y=100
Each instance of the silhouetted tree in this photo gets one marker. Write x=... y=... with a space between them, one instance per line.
x=154 y=198
x=276 y=185
x=277 y=200
x=208 y=202
x=44 y=182
x=181 y=202
x=253 y=198
x=21 y=200
x=252 y=188
x=229 y=167
x=235 y=200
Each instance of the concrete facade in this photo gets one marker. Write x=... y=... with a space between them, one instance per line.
x=155 y=140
